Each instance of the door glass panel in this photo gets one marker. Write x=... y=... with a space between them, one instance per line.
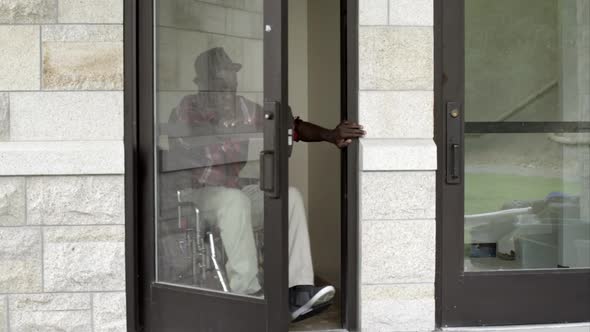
x=527 y=138
x=209 y=92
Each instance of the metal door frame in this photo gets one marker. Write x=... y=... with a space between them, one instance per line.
x=136 y=170
x=485 y=298
x=139 y=178
x=350 y=168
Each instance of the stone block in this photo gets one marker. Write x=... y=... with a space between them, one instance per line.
x=177 y=52
x=384 y=154
x=82 y=65
x=395 y=58
x=28 y=11
x=166 y=102
x=244 y=24
x=398 y=251
x=4 y=116
x=75 y=200
x=398 y=195
x=20 y=57
x=254 y=5
x=90 y=11
x=248 y=5
x=226 y=3
x=411 y=12
x=109 y=312
x=397 y=114
x=3 y=313
x=193 y=15
x=20 y=259
x=250 y=78
x=61 y=158
x=404 y=307
x=49 y=302
x=50 y=312
x=167 y=59
x=373 y=12
x=82 y=33
x=12 y=201
x=84 y=258
x=66 y=116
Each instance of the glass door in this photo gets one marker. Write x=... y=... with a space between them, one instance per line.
x=213 y=139
x=514 y=171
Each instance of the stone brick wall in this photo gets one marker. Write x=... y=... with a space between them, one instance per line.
x=186 y=28
x=398 y=165
x=61 y=165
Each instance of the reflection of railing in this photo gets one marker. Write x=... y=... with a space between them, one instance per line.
x=521 y=106
x=552 y=128
x=577 y=139
x=523 y=127
x=528 y=100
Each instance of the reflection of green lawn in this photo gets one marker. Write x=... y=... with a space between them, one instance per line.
x=488 y=192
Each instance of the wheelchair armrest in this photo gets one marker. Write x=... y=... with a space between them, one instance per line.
x=187 y=205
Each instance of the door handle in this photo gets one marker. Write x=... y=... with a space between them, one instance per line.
x=455 y=161
x=269 y=161
x=267 y=171
x=454 y=143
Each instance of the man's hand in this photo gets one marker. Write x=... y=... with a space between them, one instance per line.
x=341 y=136
x=345 y=132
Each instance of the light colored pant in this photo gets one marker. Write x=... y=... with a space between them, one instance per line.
x=236 y=213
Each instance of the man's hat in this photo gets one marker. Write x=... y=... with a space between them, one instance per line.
x=213 y=60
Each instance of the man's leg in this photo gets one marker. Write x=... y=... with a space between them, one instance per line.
x=305 y=300
x=300 y=263
x=230 y=210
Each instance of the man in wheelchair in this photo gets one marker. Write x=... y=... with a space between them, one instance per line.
x=224 y=125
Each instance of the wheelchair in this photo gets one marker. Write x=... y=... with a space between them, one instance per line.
x=191 y=252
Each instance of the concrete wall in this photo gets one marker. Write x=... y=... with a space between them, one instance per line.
x=61 y=165
x=298 y=92
x=398 y=165
x=324 y=158
x=314 y=95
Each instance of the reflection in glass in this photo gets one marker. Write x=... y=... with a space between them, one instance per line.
x=209 y=131
x=526 y=204
x=527 y=194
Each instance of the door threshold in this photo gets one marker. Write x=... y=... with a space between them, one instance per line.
x=566 y=327
x=332 y=330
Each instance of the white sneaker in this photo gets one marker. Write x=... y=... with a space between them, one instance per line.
x=307 y=300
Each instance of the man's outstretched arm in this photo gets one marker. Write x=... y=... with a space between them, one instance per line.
x=341 y=136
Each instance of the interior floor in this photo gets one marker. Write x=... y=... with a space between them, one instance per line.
x=326 y=321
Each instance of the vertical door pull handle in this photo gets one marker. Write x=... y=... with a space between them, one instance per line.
x=267 y=171
x=269 y=156
x=455 y=160
x=454 y=143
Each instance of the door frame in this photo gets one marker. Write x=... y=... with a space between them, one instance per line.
x=350 y=166
x=140 y=171
x=131 y=163
x=473 y=298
